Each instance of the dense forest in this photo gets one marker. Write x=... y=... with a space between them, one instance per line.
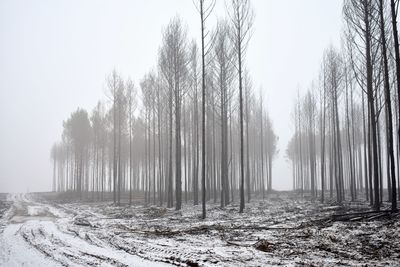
x=194 y=128
x=347 y=124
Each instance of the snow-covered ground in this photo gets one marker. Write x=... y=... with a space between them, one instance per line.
x=277 y=231
x=35 y=235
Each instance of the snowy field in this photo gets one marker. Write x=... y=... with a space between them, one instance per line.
x=36 y=230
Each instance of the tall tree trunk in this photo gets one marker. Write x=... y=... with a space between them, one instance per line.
x=323 y=145
x=170 y=193
x=241 y=126
x=388 y=107
x=352 y=184
x=203 y=111
x=247 y=145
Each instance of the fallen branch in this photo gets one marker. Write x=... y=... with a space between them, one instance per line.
x=361 y=213
x=204 y=228
x=358 y=216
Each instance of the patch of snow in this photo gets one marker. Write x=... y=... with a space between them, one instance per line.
x=15 y=252
x=33 y=236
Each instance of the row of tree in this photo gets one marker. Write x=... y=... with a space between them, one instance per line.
x=185 y=121
x=344 y=124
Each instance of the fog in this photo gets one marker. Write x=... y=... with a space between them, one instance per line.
x=55 y=55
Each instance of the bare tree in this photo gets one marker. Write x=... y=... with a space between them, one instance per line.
x=175 y=60
x=205 y=9
x=242 y=17
x=112 y=83
x=131 y=95
x=361 y=18
x=223 y=73
x=388 y=101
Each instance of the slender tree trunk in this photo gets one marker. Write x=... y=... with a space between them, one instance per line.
x=203 y=129
x=247 y=146
x=323 y=146
x=352 y=185
x=170 y=194
x=241 y=126
x=388 y=109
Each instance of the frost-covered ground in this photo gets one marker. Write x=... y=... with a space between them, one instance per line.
x=4 y=208
x=279 y=230
x=36 y=234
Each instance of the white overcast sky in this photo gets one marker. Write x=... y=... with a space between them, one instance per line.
x=55 y=54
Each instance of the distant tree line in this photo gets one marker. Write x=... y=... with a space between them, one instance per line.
x=193 y=125
x=347 y=125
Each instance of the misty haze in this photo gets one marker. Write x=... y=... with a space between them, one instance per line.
x=199 y=133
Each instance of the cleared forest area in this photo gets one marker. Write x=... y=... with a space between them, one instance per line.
x=280 y=230
x=178 y=166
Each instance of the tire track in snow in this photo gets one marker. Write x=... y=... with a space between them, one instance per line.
x=33 y=237
x=14 y=251
x=71 y=251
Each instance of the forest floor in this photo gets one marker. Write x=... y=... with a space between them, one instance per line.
x=280 y=230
